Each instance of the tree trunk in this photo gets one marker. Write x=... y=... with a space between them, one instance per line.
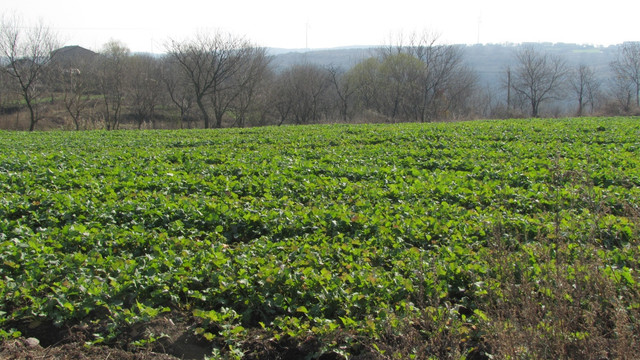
x=32 y=114
x=204 y=112
x=534 y=109
x=344 y=111
x=580 y=101
x=508 y=88
x=32 y=124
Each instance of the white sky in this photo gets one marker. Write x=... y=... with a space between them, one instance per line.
x=146 y=25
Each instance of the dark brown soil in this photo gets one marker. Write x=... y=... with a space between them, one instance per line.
x=175 y=338
x=174 y=334
x=22 y=348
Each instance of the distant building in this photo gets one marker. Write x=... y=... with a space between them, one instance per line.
x=72 y=57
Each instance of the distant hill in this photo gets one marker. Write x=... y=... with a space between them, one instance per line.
x=341 y=57
x=489 y=61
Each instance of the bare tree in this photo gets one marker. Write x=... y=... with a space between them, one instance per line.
x=309 y=84
x=401 y=74
x=178 y=88
x=76 y=87
x=366 y=79
x=508 y=86
x=626 y=67
x=248 y=81
x=585 y=86
x=538 y=77
x=282 y=96
x=145 y=85
x=299 y=93
x=8 y=92
x=484 y=101
x=456 y=94
x=209 y=62
x=112 y=70
x=345 y=89
x=72 y=73
x=511 y=103
x=622 y=92
x=445 y=83
x=226 y=95
x=416 y=79
x=26 y=52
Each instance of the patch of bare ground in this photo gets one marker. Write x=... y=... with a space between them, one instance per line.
x=28 y=348
x=166 y=337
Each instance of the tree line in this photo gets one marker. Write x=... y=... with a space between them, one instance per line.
x=215 y=80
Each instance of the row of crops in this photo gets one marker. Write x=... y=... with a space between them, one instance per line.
x=397 y=241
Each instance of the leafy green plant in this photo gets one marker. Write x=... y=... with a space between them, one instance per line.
x=344 y=234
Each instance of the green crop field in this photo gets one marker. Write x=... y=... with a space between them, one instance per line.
x=514 y=239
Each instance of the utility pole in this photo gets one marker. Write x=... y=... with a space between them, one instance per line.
x=508 y=87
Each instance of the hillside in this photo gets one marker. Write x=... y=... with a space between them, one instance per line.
x=489 y=60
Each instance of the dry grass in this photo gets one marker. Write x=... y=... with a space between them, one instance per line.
x=566 y=306
x=568 y=295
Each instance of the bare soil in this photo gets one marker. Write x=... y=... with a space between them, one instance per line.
x=175 y=339
x=174 y=333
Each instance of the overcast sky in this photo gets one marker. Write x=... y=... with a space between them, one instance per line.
x=146 y=25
